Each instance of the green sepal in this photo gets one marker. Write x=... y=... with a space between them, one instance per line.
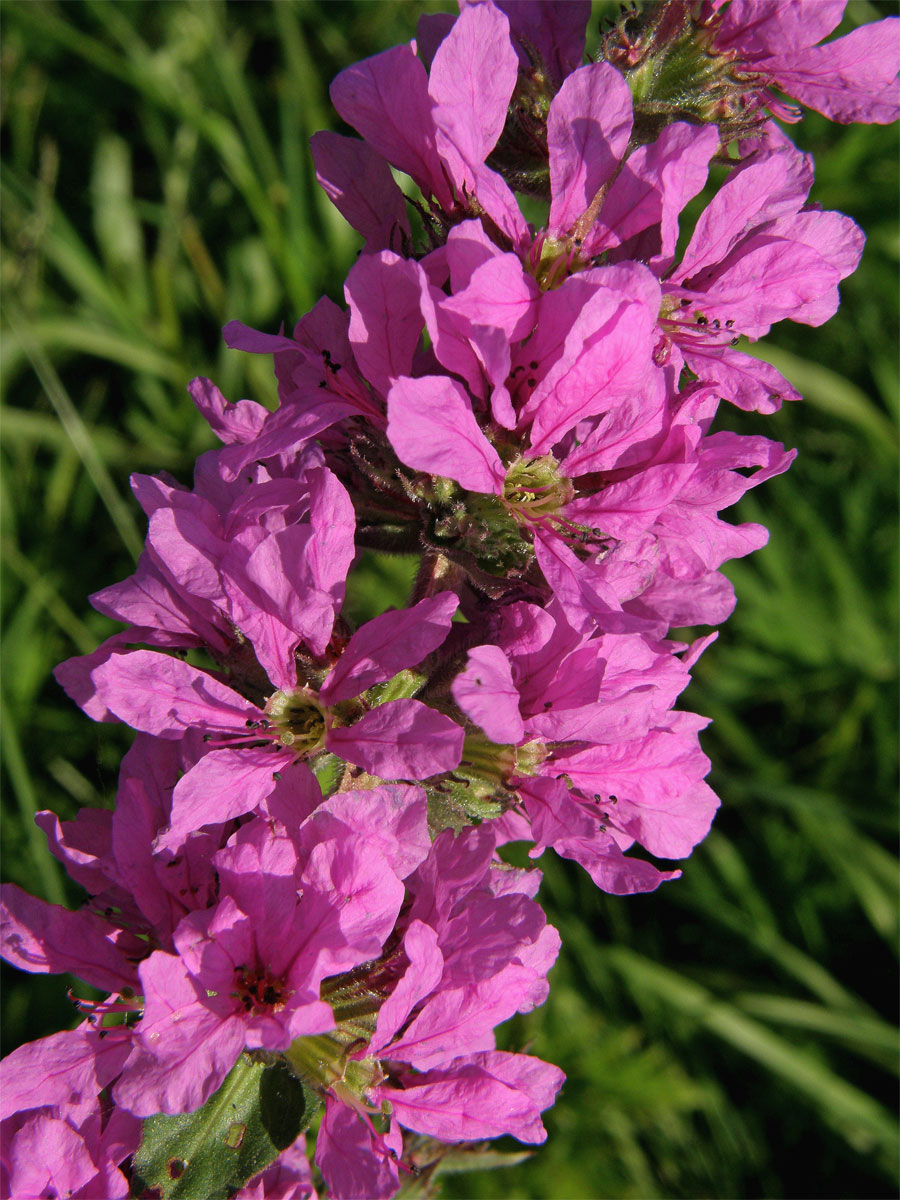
x=209 y=1154
x=403 y=686
x=328 y=770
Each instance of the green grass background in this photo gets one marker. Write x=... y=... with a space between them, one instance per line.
x=735 y=1033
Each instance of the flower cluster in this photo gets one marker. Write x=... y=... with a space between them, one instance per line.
x=302 y=874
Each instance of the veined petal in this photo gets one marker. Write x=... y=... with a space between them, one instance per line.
x=403 y=739
x=487 y=695
x=47 y=939
x=386 y=319
x=165 y=696
x=432 y=427
x=587 y=131
x=472 y=78
x=388 y=644
x=359 y=183
x=385 y=98
x=223 y=785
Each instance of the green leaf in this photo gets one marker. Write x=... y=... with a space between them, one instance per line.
x=208 y=1154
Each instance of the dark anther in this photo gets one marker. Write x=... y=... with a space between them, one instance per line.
x=729 y=324
x=701 y=320
x=684 y=302
x=531 y=381
x=276 y=775
x=533 y=365
x=548 y=704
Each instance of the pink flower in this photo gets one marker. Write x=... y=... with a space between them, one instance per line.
x=758 y=255
x=67 y=1153
x=853 y=78
x=592 y=704
x=439 y=128
x=475 y=949
x=400 y=738
x=293 y=908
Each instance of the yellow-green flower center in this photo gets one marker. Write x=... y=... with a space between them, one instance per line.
x=300 y=720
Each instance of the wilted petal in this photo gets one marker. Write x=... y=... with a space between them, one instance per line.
x=239 y=422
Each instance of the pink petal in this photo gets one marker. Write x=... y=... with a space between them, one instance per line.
x=184 y=1050
x=46 y=939
x=223 y=785
x=763 y=27
x=471 y=1101
x=560 y=821
x=165 y=696
x=49 y=1158
x=392 y=817
x=239 y=422
x=472 y=78
x=500 y=295
x=655 y=184
x=487 y=695
x=386 y=320
x=556 y=31
x=385 y=98
x=853 y=78
x=587 y=131
x=432 y=428
x=403 y=739
x=764 y=190
x=749 y=383
x=359 y=183
x=658 y=781
x=353 y=1164
x=388 y=644
x=64 y=1069
x=426 y=964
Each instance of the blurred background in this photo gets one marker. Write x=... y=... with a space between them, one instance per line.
x=735 y=1033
